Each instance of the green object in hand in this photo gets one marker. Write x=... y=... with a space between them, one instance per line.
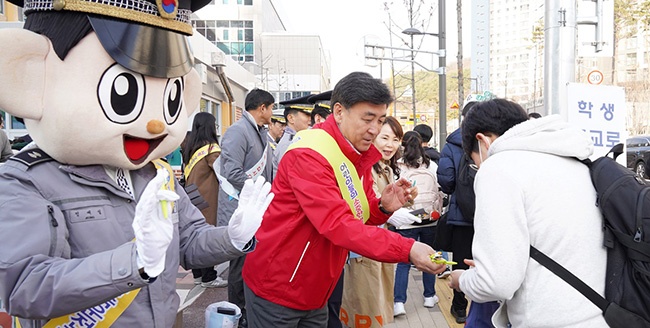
x=438 y=259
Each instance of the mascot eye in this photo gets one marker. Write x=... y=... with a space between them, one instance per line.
x=121 y=94
x=173 y=101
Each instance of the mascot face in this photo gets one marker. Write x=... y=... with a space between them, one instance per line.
x=87 y=109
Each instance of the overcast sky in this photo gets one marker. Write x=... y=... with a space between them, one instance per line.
x=343 y=24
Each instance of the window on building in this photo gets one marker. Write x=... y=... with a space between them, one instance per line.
x=631 y=74
x=213 y=108
x=240 y=46
x=225 y=2
x=15 y=124
x=248 y=2
x=630 y=60
x=2 y=7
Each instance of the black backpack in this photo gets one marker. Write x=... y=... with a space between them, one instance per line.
x=464 y=192
x=624 y=200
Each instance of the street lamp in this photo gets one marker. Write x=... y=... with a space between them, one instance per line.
x=415 y=31
x=442 y=95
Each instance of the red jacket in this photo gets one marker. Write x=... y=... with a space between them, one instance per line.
x=308 y=229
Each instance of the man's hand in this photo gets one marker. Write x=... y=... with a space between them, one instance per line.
x=420 y=257
x=153 y=232
x=396 y=194
x=254 y=199
x=403 y=217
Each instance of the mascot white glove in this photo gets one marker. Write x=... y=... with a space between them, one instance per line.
x=254 y=199
x=153 y=231
x=403 y=217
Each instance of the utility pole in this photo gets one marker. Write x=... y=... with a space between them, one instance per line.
x=461 y=89
x=442 y=64
x=411 y=14
x=392 y=64
x=559 y=53
x=413 y=81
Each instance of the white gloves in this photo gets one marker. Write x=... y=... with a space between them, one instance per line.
x=254 y=199
x=153 y=232
x=403 y=217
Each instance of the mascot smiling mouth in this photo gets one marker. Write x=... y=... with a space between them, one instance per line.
x=137 y=149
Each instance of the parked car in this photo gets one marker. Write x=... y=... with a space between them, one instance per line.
x=638 y=155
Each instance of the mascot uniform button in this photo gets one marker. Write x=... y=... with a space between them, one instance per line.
x=121 y=272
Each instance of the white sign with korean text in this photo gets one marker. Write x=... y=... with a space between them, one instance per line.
x=600 y=111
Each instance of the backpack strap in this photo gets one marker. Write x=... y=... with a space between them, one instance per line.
x=569 y=278
x=616 y=150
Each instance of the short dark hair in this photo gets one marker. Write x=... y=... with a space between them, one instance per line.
x=63 y=28
x=534 y=115
x=358 y=87
x=257 y=97
x=493 y=117
x=323 y=112
x=425 y=132
x=467 y=107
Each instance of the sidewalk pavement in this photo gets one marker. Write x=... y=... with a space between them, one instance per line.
x=193 y=316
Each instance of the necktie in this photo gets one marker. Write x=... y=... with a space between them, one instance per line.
x=123 y=183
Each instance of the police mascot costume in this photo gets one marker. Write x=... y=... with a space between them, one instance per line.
x=93 y=226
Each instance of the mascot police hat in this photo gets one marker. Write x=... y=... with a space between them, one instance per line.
x=145 y=36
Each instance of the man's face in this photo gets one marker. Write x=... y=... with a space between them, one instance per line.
x=360 y=123
x=318 y=119
x=267 y=112
x=300 y=120
x=276 y=129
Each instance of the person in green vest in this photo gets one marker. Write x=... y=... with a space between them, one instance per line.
x=325 y=205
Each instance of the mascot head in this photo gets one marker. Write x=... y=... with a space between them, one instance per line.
x=102 y=81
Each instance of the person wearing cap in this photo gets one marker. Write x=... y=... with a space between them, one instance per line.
x=461 y=225
x=316 y=218
x=245 y=153
x=322 y=108
x=92 y=222
x=276 y=130
x=297 y=113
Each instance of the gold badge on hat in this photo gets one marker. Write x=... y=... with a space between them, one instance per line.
x=167 y=8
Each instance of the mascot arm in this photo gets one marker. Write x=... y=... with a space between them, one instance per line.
x=37 y=278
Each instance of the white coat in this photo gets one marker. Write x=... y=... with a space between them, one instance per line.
x=532 y=190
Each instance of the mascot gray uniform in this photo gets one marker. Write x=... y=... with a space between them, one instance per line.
x=92 y=225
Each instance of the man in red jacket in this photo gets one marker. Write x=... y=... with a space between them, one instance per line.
x=316 y=218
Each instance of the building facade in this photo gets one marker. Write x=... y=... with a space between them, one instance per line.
x=293 y=65
x=253 y=34
x=235 y=26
